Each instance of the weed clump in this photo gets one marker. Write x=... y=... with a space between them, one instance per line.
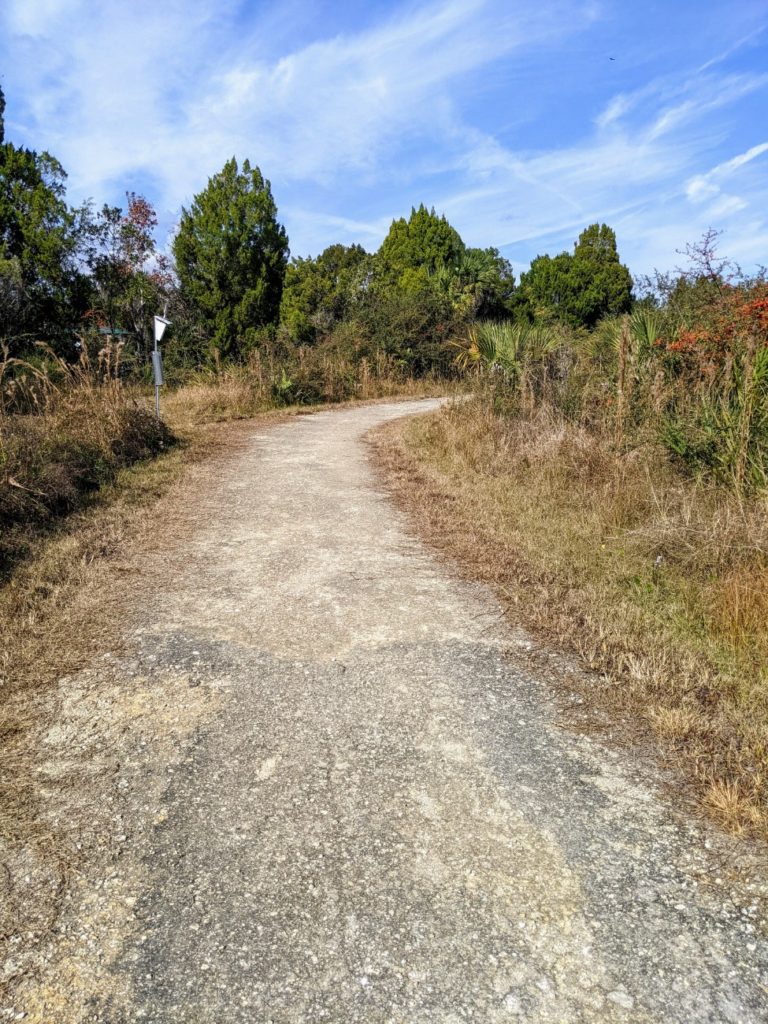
x=65 y=432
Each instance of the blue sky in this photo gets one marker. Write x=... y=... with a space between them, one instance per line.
x=509 y=117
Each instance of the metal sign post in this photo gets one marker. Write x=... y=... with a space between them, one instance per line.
x=157 y=360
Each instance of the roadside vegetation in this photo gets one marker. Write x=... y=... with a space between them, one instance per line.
x=66 y=431
x=610 y=482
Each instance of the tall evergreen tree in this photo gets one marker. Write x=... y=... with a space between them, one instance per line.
x=39 y=239
x=582 y=287
x=231 y=254
x=416 y=248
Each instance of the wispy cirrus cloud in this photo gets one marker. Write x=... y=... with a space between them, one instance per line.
x=627 y=164
x=703 y=186
x=167 y=87
x=705 y=95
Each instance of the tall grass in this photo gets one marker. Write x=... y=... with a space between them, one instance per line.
x=310 y=376
x=625 y=473
x=65 y=430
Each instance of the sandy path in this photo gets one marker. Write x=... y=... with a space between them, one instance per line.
x=380 y=819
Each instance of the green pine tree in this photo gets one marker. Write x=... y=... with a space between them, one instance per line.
x=319 y=293
x=415 y=249
x=42 y=292
x=579 y=288
x=231 y=254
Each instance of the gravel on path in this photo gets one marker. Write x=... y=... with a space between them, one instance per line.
x=379 y=817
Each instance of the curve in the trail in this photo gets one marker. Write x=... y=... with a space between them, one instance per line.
x=384 y=821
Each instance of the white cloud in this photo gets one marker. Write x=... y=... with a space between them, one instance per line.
x=706 y=188
x=172 y=89
x=317 y=227
x=346 y=101
x=628 y=172
x=725 y=206
x=729 y=166
x=709 y=95
x=751 y=39
x=700 y=188
x=616 y=109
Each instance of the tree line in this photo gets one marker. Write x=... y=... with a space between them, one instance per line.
x=69 y=274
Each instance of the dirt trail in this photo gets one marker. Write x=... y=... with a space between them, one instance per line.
x=374 y=815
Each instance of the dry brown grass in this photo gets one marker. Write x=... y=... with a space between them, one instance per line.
x=62 y=606
x=65 y=431
x=740 y=608
x=215 y=398
x=655 y=582
x=239 y=392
